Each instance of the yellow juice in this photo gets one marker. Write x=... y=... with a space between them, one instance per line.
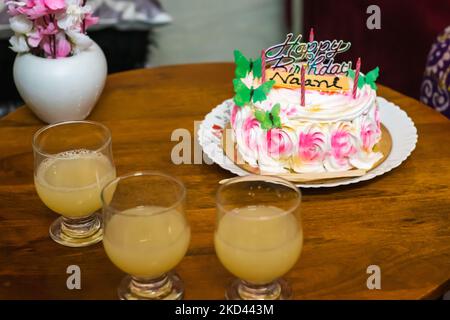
x=258 y=244
x=70 y=184
x=145 y=243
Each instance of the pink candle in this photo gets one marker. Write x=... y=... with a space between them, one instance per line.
x=263 y=66
x=302 y=88
x=311 y=35
x=355 y=82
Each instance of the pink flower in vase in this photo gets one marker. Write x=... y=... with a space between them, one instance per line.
x=20 y=24
x=55 y=4
x=90 y=20
x=51 y=28
x=19 y=43
x=74 y=15
x=40 y=31
x=34 y=9
x=61 y=45
x=278 y=143
x=13 y=7
x=311 y=145
x=341 y=145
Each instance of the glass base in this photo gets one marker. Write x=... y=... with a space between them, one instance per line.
x=166 y=287
x=80 y=232
x=243 y=290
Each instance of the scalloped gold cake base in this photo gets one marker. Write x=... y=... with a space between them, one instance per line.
x=384 y=146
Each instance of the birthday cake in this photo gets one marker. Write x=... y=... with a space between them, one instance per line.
x=297 y=110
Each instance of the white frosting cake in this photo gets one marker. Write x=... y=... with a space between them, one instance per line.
x=332 y=132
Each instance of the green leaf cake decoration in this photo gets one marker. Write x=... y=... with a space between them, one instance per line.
x=369 y=78
x=246 y=95
x=269 y=120
x=244 y=66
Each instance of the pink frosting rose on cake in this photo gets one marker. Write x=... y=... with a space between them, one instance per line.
x=250 y=128
x=369 y=135
x=377 y=118
x=234 y=112
x=341 y=143
x=277 y=143
x=310 y=151
x=310 y=146
x=247 y=134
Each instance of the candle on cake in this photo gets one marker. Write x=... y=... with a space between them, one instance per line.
x=355 y=81
x=302 y=85
x=263 y=66
x=311 y=35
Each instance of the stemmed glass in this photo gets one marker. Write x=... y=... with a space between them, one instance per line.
x=258 y=235
x=146 y=233
x=72 y=163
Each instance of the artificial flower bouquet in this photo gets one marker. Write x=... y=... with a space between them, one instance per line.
x=50 y=28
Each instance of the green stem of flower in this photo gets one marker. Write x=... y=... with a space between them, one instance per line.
x=53 y=38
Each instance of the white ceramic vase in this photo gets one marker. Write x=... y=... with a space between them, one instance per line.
x=61 y=89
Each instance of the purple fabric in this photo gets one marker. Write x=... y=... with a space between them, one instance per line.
x=435 y=90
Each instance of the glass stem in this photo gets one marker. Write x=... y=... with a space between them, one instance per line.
x=156 y=288
x=81 y=227
x=251 y=291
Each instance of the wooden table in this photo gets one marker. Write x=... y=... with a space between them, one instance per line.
x=399 y=221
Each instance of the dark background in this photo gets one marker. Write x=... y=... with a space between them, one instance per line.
x=399 y=48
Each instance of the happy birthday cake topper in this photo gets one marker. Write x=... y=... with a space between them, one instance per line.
x=319 y=56
x=295 y=64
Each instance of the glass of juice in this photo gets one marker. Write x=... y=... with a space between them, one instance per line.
x=72 y=163
x=146 y=233
x=258 y=235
